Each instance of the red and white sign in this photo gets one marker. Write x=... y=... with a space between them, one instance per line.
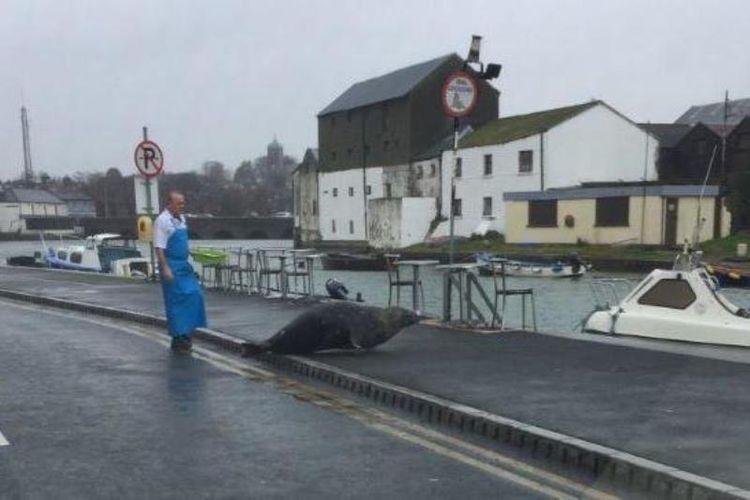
x=459 y=94
x=149 y=159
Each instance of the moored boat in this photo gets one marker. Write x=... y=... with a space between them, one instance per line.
x=683 y=304
x=353 y=262
x=104 y=253
x=572 y=267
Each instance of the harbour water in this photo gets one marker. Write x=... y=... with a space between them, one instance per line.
x=560 y=303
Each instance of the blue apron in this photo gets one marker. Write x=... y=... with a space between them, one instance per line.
x=183 y=298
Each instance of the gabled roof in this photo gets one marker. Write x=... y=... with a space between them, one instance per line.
x=668 y=134
x=385 y=87
x=310 y=159
x=714 y=113
x=512 y=128
x=72 y=196
x=23 y=195
x=443 y=144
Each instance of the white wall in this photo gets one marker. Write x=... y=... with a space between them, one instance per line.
x=416 y=216
x=344 y=208
x=473 y=185
x=42 y=209
x=597 y=145
x=10 y=219
x=399 y=222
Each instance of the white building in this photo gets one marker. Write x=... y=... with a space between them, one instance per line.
x=342 y=202
x=31 y=210
x=561 y=147
x=372 y=141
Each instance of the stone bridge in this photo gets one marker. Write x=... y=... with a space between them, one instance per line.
x=207 y=228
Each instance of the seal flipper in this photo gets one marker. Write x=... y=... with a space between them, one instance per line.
x=255 y=349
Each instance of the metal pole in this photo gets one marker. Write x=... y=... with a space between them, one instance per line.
x=150 y=212
x=643 y=195
x=453 y=191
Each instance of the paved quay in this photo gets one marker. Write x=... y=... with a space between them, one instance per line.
x=682 y=410
x=89 y=410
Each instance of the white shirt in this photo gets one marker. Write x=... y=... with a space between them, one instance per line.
x=165 y=226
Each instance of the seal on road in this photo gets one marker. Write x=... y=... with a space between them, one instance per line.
x=339 y=325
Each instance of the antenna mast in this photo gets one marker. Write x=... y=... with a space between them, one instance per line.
x=28 y=170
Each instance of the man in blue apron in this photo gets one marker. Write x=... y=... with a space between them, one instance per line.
x=183 y=298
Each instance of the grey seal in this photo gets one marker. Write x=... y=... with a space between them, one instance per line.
x=338 y=325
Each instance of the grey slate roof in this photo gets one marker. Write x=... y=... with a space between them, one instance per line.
x=23 y=195
x=72 y=196
x=310 y=159
x=443 y=144
x=577 y=193
x=385 y=87
x=714 y=113
x=669 y=134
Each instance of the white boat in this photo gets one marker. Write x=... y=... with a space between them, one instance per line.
x=572 y=268
x=104 y=253
x=681 y=304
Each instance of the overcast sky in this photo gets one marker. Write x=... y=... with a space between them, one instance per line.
x=216 y=80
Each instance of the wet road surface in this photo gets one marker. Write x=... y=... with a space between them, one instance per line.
x=688 y=411
x=92 y=411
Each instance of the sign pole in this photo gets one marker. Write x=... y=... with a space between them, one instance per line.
x=150 y=213
x=459 y=96
x=453 y=191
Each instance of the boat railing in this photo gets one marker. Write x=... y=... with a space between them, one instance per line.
x=608 y=292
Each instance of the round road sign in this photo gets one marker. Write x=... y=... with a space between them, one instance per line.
x=149 y=159
x=459 y=94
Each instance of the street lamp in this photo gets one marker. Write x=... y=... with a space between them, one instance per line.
x=476 y=43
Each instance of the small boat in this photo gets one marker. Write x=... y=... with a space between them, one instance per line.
x=103 y=253
x=27 y=260
x=730 y=273
x=353 y=262
x=572 y=267
x=683 y=304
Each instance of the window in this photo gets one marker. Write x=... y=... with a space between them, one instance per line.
x=525 y=161
x=368 y=189
x=333 y=155
x=388 y=190
x=433 y=170
x=351 y=191
x=335 y=192
x=386 y=145
x=349 y=152
x=420 y=172
x=543 y=213
x=315 y=207
x=459 y=167
x=457 y=207
x=487 y=164
x=76 y=257
x=613 y=211
x=62 y=255
x=333 y=225
x=487 y=206
x=672 y=293
x=351 y=227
